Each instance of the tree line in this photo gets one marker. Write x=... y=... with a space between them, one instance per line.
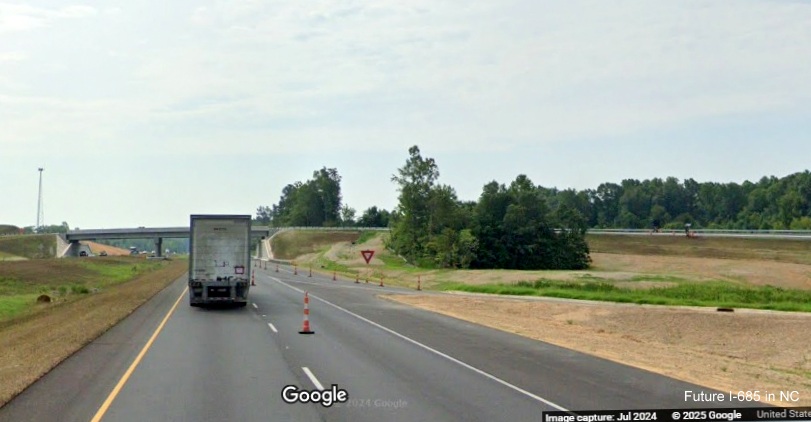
x=510 y=227
x=318 y=202
x=770 y=204
x=528 y=226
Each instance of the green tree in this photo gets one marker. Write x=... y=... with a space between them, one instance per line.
x=415 y=180
x=374 y=217
x=347 y=216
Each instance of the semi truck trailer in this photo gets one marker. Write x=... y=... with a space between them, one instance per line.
x=220 y=259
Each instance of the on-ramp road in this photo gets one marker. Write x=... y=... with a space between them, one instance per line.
x=396 y=363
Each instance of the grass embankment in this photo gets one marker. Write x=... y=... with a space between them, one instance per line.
x=686 y=293
x=91 y=295
x=667 y=289
x=779 y=250
x=21 y=282
x=607 y=280
x=33 y=246
x=295 y=243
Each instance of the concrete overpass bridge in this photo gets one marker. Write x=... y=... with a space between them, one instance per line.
x=71 y=245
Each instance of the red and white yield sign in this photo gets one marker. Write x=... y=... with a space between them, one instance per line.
x=367 y=255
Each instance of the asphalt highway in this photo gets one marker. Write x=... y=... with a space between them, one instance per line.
x=171 y=362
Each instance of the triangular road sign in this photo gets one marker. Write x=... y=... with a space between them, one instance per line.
x=367 y=255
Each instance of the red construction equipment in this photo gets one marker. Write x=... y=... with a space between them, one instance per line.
x=305 y=327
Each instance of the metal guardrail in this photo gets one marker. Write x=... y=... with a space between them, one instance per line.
x=763 y=234
x=349 y=229
x=730 y=231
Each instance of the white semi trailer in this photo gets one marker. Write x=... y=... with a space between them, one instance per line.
x=220 y=259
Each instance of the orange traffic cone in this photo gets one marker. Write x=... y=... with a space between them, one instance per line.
x=305 y=328
x=253 y=280
x=357 y=278
x=381 y=281
x=277 y=268
x=419 y=283
x=311 y=272
x=295 y=270
x=333 y=276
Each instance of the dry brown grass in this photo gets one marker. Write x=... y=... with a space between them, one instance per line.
x=37 y=342
x=98 y=248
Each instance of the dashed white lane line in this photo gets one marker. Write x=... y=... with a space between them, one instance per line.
x=312 y=378
x=430 y=349
x=272 y=328
x=254 y=306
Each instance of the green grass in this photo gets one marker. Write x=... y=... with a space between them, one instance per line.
x=366 y=236
x=7 y=256
x=394 y=262
x=11 y=306
x=21 y=282
x=324 y=264
x=32 y=246
x=106 y=274
x=712 y=293
x=294 y=243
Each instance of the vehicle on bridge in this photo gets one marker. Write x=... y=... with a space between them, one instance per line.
x=220 y=259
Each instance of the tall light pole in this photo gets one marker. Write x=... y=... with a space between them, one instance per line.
x=40 y=215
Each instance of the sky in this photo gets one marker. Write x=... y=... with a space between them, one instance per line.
x=142 y=113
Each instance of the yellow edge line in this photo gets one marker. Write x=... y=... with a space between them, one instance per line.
x=106 y=405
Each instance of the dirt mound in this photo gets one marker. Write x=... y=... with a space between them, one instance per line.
x=97 y=248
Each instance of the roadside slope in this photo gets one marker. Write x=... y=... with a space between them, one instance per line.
x=34 y=344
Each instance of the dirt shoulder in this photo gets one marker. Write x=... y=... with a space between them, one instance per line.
x=33 y=345
x=740 y=351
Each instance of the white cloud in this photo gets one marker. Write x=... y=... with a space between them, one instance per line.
x=463 y=75
x=20 y=17
x=12 y=57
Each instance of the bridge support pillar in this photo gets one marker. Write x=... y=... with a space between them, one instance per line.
x=73 y=249
x=260 y=249
x=158 y=246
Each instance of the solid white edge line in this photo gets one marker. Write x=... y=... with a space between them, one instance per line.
x=432 y=350
x=273 y=328
x=254 y=306
x=312 y=378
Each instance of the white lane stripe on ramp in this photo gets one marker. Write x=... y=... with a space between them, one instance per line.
x=273 y=328
x=430 y=349
x=312 y=378
x=254 y=306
